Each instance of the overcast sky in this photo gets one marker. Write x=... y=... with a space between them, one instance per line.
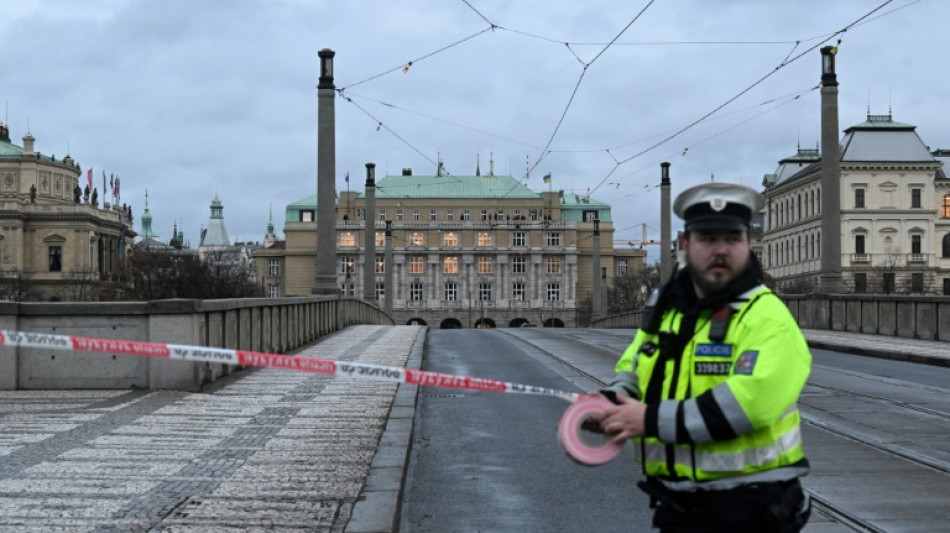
x=192 y=98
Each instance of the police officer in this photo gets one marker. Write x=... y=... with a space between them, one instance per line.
x=708 y=388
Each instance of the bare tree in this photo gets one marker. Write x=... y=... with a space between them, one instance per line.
x=630 y=292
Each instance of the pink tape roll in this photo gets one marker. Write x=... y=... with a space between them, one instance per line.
x=584 y=446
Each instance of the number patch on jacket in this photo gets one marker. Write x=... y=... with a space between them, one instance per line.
x=712 y=369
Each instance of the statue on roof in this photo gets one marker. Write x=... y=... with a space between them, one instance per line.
x=95 y=197
x=85 y=194
x=77 y=192
x=33 y=193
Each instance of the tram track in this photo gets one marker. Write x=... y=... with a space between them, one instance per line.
x=820 y=503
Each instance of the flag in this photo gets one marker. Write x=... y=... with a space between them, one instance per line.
x=89 y=177
x=547 y=178
x=117 y=188
x=347 y=178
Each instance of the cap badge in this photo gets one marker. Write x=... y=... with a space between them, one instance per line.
x=717 y=203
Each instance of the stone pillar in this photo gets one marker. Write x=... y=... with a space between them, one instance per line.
x=390 y=288
x=666 y=245
x=369 y=244
x=597 y=292
x=829 y=280
x=325 y=282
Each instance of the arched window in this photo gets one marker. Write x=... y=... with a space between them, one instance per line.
x=946 y=245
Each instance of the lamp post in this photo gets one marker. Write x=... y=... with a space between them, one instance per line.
x=325 y=282
x=829 y=280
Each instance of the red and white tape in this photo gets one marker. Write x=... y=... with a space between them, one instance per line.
x=570 y=438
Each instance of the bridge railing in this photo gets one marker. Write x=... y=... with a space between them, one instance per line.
x=277 y=325
x=916 y=317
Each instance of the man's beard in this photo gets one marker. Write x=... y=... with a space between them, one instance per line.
x=711 y=284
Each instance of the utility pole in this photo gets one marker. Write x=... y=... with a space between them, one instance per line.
x=369 y=244
x=829 y=281
x=597 y=300
x=325 y=282
x=666 y=248
x=388 y=265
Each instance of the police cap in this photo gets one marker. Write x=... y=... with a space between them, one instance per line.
x=710 y=206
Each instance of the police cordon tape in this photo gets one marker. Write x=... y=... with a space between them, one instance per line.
x=568 y=430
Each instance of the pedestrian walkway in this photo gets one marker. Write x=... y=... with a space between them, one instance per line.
x=274 y=450
x=898 y=348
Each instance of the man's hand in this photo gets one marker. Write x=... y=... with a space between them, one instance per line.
x=623 y=421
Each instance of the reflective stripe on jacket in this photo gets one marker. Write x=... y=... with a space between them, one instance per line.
x=731 y=412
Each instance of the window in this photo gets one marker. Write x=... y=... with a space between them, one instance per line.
x=946 y=286
x=399 y=214
x=621 y=267
x=484 y=291
x=861 y=283
x=518 y=265
x=554 y=292
x=552 y=265
x=380 y=238
x=518 y=238
x=416 y=238
x=590 y=215
x=888 y=282
x=500 y=214
x=415 y=292
x=359 y=214
x=467 y=215
x=382 y=215
x=273 y=291
x=346 y=264
x=450 y=238
x=945 y=207
x=380 y=264
x=451 y=292
x=273 y=267
x=347 y=238
x=517 y=215
x=915 y=198
x=859 y=244
x=917 y=282
x=306 y=215
x=415 y=214
x=915 y=244
x=553 y=239
x=450 y=215
x=533 y=214
x=432 y=215
x=380 y=290
x=417 y=265
x=55 y=258
x=484 y=264
x=859 y=198
x=484 y=238
x=946 y=245
x=517 y=291
x=483 y=215
x=450 y=265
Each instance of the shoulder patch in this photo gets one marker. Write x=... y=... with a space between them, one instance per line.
x=745 y=364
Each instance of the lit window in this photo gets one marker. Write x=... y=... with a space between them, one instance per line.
x=945 y=207
x=380 y=264
x=347 y=238
x=484 y=238
x=416 y=265
x=346 y=264
x=416 y=238
x=380 y=238
x=450 y=265
x=553 y=265
x=484 y=265
x=450 y=238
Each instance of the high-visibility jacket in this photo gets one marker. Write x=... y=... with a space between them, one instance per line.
x=720 y=413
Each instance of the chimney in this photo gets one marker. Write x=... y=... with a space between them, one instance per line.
x=407 y=172
x=28 y=144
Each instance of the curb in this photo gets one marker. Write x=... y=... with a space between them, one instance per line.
x=882 y=353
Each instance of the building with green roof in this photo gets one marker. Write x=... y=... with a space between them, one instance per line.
x=468 y=251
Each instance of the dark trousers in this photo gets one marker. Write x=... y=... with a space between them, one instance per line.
x=757 y=508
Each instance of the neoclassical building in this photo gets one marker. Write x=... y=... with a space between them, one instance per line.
x=55 y=242
x=468 y=251
x=895 y=214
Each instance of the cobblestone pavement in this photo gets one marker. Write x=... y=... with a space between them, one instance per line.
x=275 y=450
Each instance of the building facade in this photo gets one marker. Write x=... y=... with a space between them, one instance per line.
x=468 y=251
x=895 y=214
x=57 y=242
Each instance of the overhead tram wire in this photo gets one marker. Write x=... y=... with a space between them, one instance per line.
x=744 y=91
